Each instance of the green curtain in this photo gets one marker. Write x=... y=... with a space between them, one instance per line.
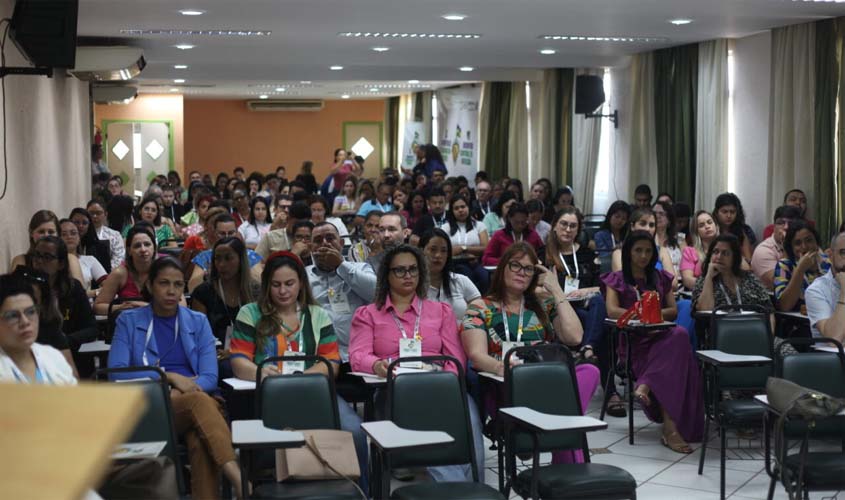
x=418 y=106
x=827 y=83
x=496 y=155
x=566 y=98
x=675 y=95
x=838 y=209
x=391 y=121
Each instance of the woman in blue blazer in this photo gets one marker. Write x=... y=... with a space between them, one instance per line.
x=179 y=341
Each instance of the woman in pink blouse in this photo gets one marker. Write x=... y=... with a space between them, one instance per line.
x=401 y=315
x=704 y=231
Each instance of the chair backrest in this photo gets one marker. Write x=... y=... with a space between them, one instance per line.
x=820 y=370
x=431 y=401
x=297 y=401
x=156 y=423
x=747 y=334
x=545 y=382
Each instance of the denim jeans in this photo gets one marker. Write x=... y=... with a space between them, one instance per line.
x=350 y=421
x=592 y=319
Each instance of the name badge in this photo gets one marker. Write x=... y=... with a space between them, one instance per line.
x=339 y=303
x=291 y=367
x=507 y=346
x=570 y=285
x=410 y=348
x=227 y=340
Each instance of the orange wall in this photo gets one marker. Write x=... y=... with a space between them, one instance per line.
x=150 y=107
x=222 y=134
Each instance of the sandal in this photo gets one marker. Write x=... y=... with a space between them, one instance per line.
x=616 y=407
x=676 y=443
x=582 y=356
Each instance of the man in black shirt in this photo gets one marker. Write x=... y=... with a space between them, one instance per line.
x=436 y=216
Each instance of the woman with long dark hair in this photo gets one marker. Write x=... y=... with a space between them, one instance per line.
x=666 y=233
x=89 y=243
x=445 y=286
x=668 y=380
x=127 y=282
x=516 y=229
x=468 y=240
x=804 y=262
x=730 y=217
x=258 y=223
x=149 y=211
x=45 y=223
x=614 y=229
x=93 y=272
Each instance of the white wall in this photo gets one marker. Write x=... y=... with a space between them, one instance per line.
x=752 y=90
x=48 y=149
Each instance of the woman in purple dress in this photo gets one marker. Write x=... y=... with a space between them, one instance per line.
x=668 y=384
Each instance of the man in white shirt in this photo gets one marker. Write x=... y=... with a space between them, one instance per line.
x=825 y=298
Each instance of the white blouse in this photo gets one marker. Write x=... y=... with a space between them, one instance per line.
x=462 y=236
x=252 y=234
x=92 y=270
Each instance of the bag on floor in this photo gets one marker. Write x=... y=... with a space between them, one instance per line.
x=327 y=454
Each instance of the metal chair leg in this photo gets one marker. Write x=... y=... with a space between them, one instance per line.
x=771 y=493
x=723 y=436
x=704 y=445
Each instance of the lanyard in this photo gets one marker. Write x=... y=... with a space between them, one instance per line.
x=485 y=208
x=519 y=321
x=416 y=323
x=20 y=377
x=569 y=273
x=297 y=335
x=612 y=240
x=147 y=342
x=513 y=235
x=727 y=297
x=225 y=305
x=464 y=234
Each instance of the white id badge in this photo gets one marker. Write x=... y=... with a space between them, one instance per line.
x=410 y=348
x=290 y=367
x=571 y=285
x=227 y=340
x=507 y=346
x=339 y=303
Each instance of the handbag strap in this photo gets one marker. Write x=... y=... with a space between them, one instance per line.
x=312 y=447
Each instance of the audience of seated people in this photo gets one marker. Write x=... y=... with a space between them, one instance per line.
x=363 y=275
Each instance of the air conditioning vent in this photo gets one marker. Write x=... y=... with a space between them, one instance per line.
x=285 y=105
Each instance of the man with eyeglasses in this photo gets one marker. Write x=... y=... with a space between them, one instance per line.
x=483 y=203
x=338 y=285
x=224 y=227
x=770 y=251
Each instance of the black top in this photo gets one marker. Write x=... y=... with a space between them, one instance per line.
x=78 y=321
x=220 y=316
x=426 y=223
x=51 y=334
x=477 y=212
x=588 y=268
x=174 y=212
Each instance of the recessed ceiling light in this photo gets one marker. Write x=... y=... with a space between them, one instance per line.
x=174 y=90
x=192 y=12
x=263 y=96
x=374 y=89
x=345 y=96
x=454 y=17
x=592 y=38
x=680 y=21
x=184 y=46
x=413 y=82
x=335 y=68
x=215 y=32
x=180 y=66
x=280 y=89
x=305 y=82
x=463 y=36
x=381 y=49
x=548 y=52
x=466 y=68
x=179 y=80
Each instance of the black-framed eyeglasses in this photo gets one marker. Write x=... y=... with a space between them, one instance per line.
x=572 y=226
x=14 y=318
x=402 y=271
x=319 y=240
x=516 y=267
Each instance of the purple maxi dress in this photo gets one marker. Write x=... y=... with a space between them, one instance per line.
x=663 y=361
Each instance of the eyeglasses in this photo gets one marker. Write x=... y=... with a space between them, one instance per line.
x=516 y=267
x=14 y=318
x=402 y=271
x=572 y=226
x=46 y=257
x=302 y=237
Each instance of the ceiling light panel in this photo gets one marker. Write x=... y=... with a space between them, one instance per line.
x=180 y=66
x=184 y=46
x=283 y=85
x=217 y=32
x=680 y=21
x=618 y=39
x=454 y=17
x=336 y=68
x=192 y=12
x=427 y=36
x=394 y=85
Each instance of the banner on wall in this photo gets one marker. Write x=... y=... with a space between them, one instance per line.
x=457 y=119
x=415 y=135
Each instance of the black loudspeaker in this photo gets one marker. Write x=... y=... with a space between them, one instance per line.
x=45 y=31
x=589 y=94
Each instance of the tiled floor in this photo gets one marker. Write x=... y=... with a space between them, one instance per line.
x=664 y=474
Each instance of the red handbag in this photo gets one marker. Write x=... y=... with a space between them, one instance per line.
x=647 y=310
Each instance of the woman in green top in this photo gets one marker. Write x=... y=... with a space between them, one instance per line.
x=149 y=211
x=495 y=219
